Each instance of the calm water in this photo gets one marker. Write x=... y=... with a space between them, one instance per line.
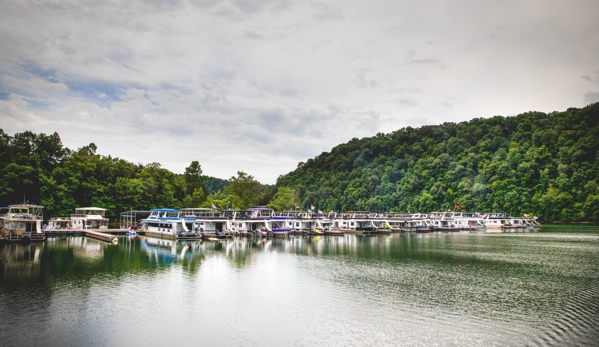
x=538 y=288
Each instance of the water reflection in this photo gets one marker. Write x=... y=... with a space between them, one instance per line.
x=19 y=261
x=526 y=288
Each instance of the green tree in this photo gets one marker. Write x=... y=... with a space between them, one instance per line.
x=284 y=199
x=243 y=190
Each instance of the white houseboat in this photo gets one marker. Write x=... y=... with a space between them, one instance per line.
x=210 y=223
x=89 y=218
x=495 y=221
x=22 y=223
x=168 y=223
x=356 y=223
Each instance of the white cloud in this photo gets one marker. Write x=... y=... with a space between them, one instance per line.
x=261 y=85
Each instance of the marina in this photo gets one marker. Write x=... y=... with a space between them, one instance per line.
x=23 y=223
x=522 y=287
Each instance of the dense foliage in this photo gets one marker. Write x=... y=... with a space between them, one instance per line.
x=214 y=184
x=538 y=163
x=38 y=169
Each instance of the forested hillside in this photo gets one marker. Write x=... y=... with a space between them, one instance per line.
x=545 y=164
x=538 y=163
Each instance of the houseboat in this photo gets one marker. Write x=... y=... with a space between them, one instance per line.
x=168 y=223
x=22 y=223
x=468 y=221
x=210 y=223
x=89 y=218
x=356 y=223
x=495 y=221
x=280 y=226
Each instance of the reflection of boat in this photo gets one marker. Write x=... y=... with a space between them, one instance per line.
x=168 y=251
x=22 y=223
x=166 y=222
x=20 y=261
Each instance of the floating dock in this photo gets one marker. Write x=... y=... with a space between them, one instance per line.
x=101 y=236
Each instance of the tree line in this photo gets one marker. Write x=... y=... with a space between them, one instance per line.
x=533 y=163
x=38 y=169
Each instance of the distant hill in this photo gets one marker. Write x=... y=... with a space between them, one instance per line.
x=215 y=184
x=535 y=162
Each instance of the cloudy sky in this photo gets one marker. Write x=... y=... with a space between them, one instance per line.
x=260 y=85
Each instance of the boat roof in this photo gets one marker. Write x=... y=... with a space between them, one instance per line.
x=24 y=206
x=90 y=209
x=164 y=210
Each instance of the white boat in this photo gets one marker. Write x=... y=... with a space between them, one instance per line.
x=468 y=221
x=518 y=223
x=356 y=223
x=381 y=224
x=208 y=222
x=495 y=221
x=57 y=224
x=326 y=225
x=22 y=223
x=299 y=221
x=442 y=221
x=532 y=221
x=168 y=223
x=89 y=218
x=280 y=226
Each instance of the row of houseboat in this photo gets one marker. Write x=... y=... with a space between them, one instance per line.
x=25 y=222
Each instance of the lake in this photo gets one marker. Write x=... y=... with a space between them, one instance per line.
x=536 y=288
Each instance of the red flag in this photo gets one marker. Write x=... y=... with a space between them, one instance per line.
x=457 y=207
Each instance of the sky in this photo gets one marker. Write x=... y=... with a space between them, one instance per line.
x=261 y=85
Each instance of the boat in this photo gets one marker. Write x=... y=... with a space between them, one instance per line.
x=325 y=223
x=58 y=224
x=280 y=226
x=442 y=221
x=468 y=221
x=515 y=223
x=168 y=223
x=210 y=223
x=532 y=221
x=89 y=218
x=354 y=222
x=495 y=221
x=264 y=221
x=381 y=224
x=299 y=221
x=132 y=231
x=22 y=223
